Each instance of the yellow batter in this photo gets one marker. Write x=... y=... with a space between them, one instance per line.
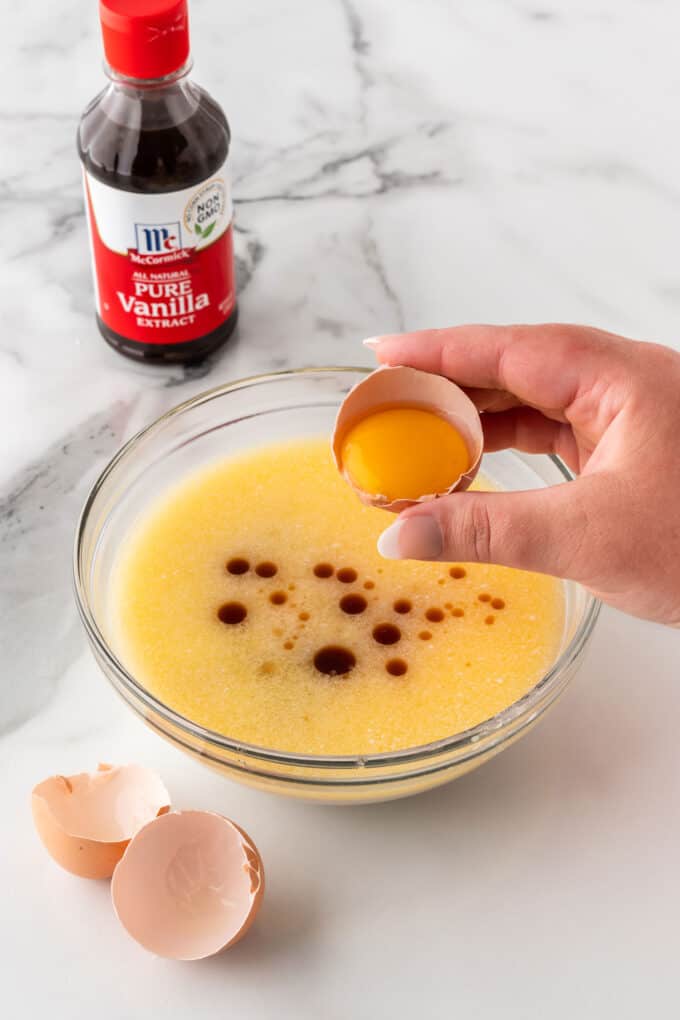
x=202 y=621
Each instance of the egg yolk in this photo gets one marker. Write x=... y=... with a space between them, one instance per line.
x=404 y=453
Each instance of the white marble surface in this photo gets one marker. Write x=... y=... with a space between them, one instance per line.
x=395 y=165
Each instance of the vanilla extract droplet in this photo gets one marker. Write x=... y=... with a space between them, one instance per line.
x=396 y=667
x=353 y=604
x=232 y=612
x=386 y=634
x=238 y=565
x=266 y=569
x=334 y=660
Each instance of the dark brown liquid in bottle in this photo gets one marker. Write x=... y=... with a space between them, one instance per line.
x=178 y=138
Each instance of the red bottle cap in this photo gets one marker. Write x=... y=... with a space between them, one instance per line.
x=145 y=38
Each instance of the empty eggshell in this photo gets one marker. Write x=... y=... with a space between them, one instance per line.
x=400 y=386
x=86 y=821
x=189 y=885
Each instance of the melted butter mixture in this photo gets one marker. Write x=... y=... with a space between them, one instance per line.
x=252 y=600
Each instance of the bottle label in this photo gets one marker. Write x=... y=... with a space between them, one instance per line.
x=163 y=264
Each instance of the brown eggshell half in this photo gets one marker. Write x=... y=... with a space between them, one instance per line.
x=86 y=821
x=400 y=386
x=189 y=885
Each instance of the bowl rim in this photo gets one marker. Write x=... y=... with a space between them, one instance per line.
x=522 y=712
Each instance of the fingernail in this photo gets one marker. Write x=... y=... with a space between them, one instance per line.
x=388 y=543
x=415 y=538
x=372 y=342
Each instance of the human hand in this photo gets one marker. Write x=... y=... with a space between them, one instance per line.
x=610 y=409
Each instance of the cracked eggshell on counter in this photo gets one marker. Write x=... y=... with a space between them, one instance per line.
x=86 y=821
x=189 y=885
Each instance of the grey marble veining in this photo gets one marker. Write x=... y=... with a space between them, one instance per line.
x=394 y=166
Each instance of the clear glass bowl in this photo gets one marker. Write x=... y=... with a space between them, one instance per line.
x=233 y=418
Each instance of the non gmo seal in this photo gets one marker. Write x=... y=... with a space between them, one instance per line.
x=205 y=208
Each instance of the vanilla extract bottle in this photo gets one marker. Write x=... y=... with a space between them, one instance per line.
x=154 y=148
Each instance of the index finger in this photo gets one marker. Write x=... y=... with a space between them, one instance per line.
x=546 y=365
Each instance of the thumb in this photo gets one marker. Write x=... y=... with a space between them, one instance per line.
x=549 y=530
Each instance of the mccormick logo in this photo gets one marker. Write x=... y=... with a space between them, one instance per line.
x=157 y=238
